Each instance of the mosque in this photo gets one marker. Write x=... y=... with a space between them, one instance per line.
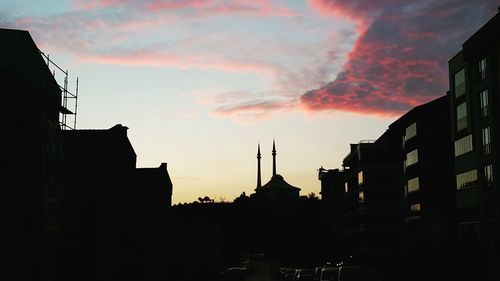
x=276 y=190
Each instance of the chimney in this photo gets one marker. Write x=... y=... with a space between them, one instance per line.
x=119 y=128
x=163 y=166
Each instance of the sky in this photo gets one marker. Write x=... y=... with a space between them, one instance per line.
x=199 y=83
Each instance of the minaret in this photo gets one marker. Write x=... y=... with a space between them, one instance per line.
x=259 y=183
x=274 y=159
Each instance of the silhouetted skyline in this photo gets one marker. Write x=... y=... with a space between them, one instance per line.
x=419 y=202
x=201 y=84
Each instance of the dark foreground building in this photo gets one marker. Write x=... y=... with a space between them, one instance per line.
x=474 y=96
x=422 y=151
x=30 y=159
x=394 y=199
x=115 y=218
x=153 y=225
x=97 y=228
x=372 y=201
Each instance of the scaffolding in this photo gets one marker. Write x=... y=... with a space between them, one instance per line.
x=69 y=103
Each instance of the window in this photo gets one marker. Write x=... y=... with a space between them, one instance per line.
x=413 y=184
x=488 y=173
x=411 y=131
x=485 y=133
x=460 y=83
x=483 y=100
x=482 y=68
x=461 y=116
x=466 y=179
x=463 y=145
x=415 y=207
x=361 y=197
x=360 y=177
x=411 y=158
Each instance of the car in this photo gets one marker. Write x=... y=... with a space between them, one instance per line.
x=317 y=272
x=357 y=273
x=329 y=273
x=289 y=274
x=305 y=274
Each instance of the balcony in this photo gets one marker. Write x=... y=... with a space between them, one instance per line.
x=486 y=148
x=484 y=111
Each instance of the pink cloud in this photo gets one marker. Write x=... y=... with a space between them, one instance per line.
x=198 y=7
x=95 y=4
x=160 y=59
x=400 y=57
x=177 y=4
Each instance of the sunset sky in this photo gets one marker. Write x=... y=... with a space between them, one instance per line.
x=200 y=83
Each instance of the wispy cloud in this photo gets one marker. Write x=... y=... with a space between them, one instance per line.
x=156 y=58
x=400 y=57
x=197 y=8
x=249 y=107
x=255 y=110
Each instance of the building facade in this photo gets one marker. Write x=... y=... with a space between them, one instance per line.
x=420 y=145
x=372 y=201
x=474 y=86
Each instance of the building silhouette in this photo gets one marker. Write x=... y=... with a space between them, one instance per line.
x=276 y=190
x=333 y=208
x=421 y=148
x=97 y=233
x=372 y=200
x=474 y=102
x=153 y=230
x=30 y=159
x=115 y=218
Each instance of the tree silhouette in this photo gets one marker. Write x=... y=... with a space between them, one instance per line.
x=312 y=196
x=205 y=199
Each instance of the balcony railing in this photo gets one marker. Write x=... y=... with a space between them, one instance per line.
x=467 y=184
x=487 y=148
x=484 y=111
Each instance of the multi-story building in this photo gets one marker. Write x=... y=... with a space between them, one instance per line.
x=372 y=200
x=332 y=210
x=474 y=87
x=420 y=145
x=30 y=159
